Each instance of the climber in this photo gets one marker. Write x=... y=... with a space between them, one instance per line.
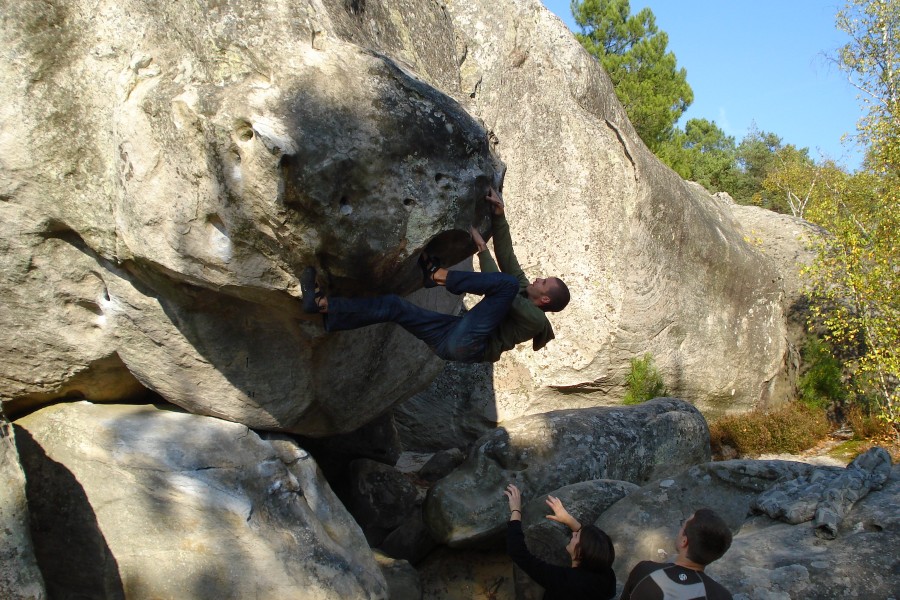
x=512 y=310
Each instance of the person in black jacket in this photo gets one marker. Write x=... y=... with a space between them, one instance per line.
x=590 y=549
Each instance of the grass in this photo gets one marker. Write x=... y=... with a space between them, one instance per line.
x=850 y=449
x=644 y=381
x=869 y=431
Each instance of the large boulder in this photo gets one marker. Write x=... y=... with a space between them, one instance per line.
x=57 y=336
x=654 y=264
x=789 y=243
x=181 y=166
x=136 y=501
x=542 y=453
x=20 y=578
x=768 y=559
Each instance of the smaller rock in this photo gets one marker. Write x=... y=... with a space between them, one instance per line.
x=545 y=452
x=827 y=493
x=411 y=541
x=381 y=497
x=442 y=464
x=402 y=579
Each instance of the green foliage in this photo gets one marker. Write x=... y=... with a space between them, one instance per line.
x=792 y=428
x=702 y=153
x=647 y=81
x=854 y=282
x=822 y=385
x=755 y=158
x=644 y=381
x=872 y=60
x=794 y=181
x=761 y=170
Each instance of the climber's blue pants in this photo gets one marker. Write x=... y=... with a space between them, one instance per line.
x=460 y=338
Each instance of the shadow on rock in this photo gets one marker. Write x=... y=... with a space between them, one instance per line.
x=70 y=548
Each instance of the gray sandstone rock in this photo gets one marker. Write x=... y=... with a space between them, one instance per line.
x=402 y=579
x=654 y=265
x=441 y=464
x=410 y=541
x=193 y=174
x=457 y=408
x=861 y=562
x=826 y=494
x=381 y=498
x=20 y=578
x=788 y=243
x=542 y=453
x=643 y=525
x=57 y=338
x=136 y=501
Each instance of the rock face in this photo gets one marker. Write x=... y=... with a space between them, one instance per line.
x=826 y=495
x=20 y=578
x=768 y=559
x=542 y=453
x=789 y=561
x=787 y=242
x=134 y=501
x=167 y=171
x=454 y=411
x=654 y=264
x=182 y=166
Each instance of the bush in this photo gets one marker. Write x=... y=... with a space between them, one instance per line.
x=792 y=428
x=822 y=385
x=865 y=425
x=644 y=381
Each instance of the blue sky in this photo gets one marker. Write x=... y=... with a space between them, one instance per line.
x=762 y=62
